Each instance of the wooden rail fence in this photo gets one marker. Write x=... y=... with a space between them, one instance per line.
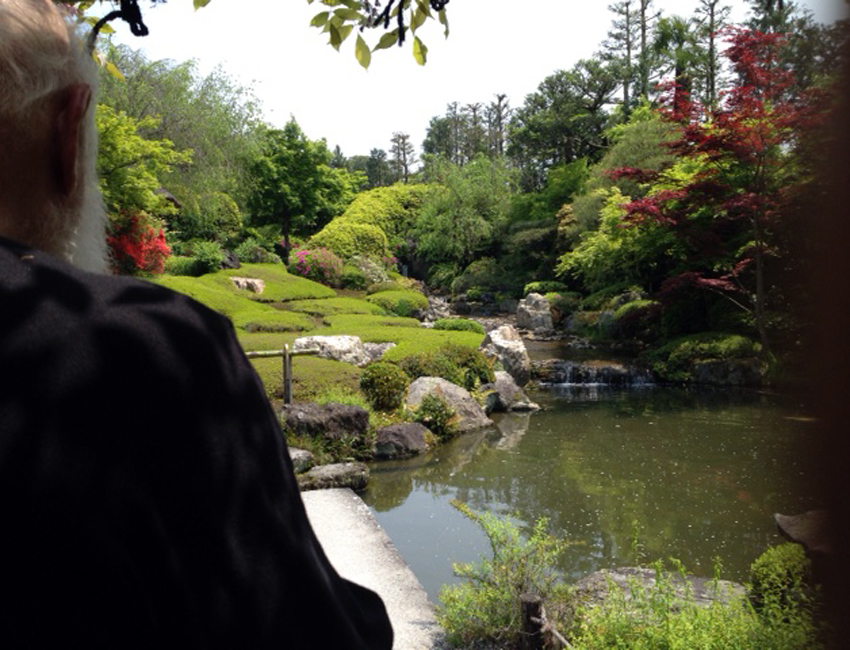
x=287 y=355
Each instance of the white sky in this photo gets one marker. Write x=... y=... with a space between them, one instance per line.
x=495 y=46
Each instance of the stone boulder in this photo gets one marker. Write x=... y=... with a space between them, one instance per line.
x=506 y=395
x=377 y=350
x=470 y=415
x=727 y=372
x=505 y=345
x=595 y=588
x=348 y=349
x=402 y=440
x=534 y=313
x=253 y=285
x=339 y=475
x=302 y=460
x=811 y=530
x=329 y=421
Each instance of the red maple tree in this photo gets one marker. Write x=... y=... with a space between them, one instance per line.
x=729 y=211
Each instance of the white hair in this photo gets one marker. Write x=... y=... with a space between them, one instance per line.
x=41 y=52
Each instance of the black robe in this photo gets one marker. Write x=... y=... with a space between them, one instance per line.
x=146 y=496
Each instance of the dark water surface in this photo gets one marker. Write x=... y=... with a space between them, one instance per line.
x=699 y=472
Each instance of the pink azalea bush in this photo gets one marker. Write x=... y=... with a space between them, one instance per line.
x=319 y=265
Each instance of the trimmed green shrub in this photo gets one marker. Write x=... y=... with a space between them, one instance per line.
x=384 y=385
x=544 y=287
x=778 y=578
x=387 y=285
x=347 y=239
x=331 y=306
x=401 y=303
x=458 y=325
x=438 y=416
x=319 y=265
x=352 y=278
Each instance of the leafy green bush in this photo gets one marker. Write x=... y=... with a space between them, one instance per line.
x=673 y=361
x=438 y=416
x=544 y=287
x=208 y=256
x=563 y=303
x=779 y=576
x=662 y=616
x=485 y=273
x=459 y=364
x=486 y=606
x=458 y=325
x=384 y=385
x=374 y=270
x=401 y=303
x=319 y=265
x=252 y=251
x=352 y=278
x=637 y=319
x=183 y=265
x=347 y=239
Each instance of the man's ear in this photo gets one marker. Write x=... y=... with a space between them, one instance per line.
x=74 y=103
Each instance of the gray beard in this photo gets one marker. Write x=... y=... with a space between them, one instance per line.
x=86 y=245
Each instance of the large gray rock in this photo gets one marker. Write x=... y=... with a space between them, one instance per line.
x=534 y=313
x=470 y=415
x=402 y=440
x=811 y=530
x=595 y=588
x=329 y=421
x=348 y=349
x=377 y=350
x=506 y=395
x=302 y=460
x=339 y=475
x=506 y=345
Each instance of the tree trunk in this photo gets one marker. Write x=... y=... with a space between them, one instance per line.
x=286 y=225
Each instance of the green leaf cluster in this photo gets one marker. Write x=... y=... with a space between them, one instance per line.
x=485 y=607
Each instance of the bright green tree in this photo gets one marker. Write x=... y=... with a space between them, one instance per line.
x=130 y=166
x=465 y=213
x=294 y=185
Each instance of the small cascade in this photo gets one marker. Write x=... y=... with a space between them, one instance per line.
x=560 y=372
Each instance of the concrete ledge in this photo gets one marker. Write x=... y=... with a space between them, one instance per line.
x=361 y=551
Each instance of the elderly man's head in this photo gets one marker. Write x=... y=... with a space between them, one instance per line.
x=48 y=191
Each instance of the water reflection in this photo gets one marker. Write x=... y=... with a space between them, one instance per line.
x=701 y=472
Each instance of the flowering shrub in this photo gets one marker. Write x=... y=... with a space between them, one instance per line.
x=136 y=247
x=319 y=265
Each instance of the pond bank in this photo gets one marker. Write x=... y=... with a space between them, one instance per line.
x=360 y=551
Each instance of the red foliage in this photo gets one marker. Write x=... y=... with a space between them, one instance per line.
x=136 y=247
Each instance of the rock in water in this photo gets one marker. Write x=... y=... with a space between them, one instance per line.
x=506 y=345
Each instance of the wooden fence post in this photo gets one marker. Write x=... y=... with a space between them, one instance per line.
x=287 y=376
x=532 y=622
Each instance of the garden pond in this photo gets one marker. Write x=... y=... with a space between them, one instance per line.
x=624 y=474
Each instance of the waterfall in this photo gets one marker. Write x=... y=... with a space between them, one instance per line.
x=559 y=372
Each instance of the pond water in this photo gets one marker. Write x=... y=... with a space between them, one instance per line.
x=690 y=474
